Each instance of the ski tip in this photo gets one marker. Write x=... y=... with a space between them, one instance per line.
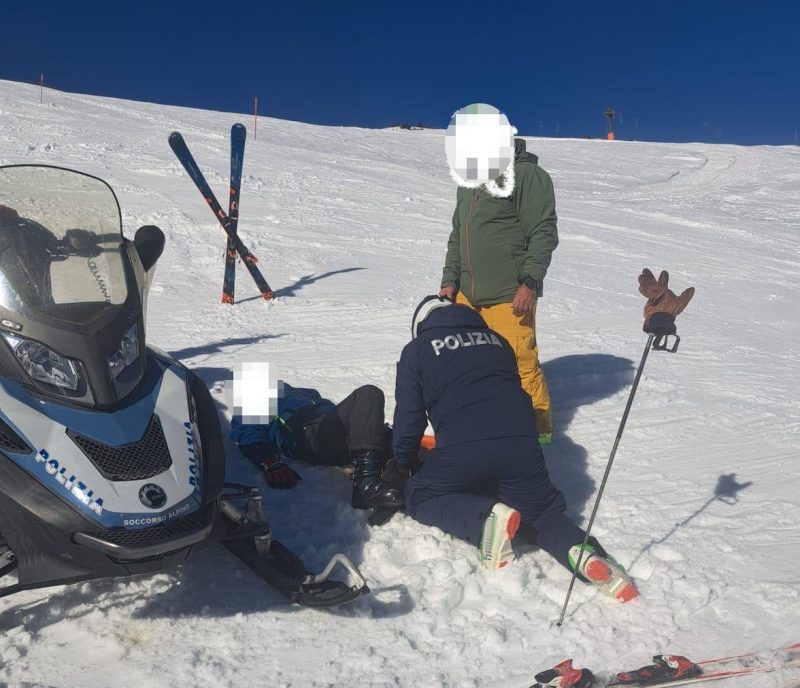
x=175 y=136
x=268 y=295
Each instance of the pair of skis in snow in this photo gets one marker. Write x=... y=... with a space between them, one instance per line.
x=674 y=670
x=229 y=220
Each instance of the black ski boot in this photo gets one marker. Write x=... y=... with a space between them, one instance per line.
x=369 y=489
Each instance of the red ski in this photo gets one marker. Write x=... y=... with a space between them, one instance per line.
x=675 y=670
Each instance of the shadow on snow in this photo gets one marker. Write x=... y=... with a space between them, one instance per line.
x=292 y=289
x=575 y=381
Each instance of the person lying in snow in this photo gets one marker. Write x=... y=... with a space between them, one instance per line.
x=486 y=480
x=315 y=430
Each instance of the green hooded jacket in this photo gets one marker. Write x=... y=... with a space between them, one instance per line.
x=497 y=241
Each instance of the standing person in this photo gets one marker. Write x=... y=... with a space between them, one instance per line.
x=315 y=430
x=486 y=479
x=504 y=234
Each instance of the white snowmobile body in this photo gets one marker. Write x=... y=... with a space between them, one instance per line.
x=135 y=468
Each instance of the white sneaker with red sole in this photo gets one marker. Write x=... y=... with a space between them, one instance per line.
x=603 y=571
x=499 y=529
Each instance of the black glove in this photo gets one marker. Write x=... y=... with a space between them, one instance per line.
x=407 y=468
x=267 y=456
x=279 y=475
x=394 y=477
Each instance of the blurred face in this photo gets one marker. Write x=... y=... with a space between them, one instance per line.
x=479 y=143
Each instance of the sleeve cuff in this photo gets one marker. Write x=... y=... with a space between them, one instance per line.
x=260 y=451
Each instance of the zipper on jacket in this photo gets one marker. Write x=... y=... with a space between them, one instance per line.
x=473 y=206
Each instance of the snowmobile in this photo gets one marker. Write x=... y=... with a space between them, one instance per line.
x=111 y=454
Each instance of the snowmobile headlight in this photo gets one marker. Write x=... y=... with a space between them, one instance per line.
x=44 y=364
x=127 y=352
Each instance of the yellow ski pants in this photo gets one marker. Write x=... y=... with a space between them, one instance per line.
x=520 y=332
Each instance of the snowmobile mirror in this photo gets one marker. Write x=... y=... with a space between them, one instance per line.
x=149 y=242
x=81 y=242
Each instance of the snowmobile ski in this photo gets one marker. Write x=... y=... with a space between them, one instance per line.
x=238 y=136
x=8 y=561
x=252 y=543
x=284 y=571
x=186 y=159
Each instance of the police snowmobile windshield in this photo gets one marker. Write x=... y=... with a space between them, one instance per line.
x=61 y=252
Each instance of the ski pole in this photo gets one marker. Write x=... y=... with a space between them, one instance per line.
x=605 y=476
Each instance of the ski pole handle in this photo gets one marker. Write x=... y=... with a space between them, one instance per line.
x=662 y=342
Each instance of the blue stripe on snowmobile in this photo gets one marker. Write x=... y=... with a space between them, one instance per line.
x=124 y=426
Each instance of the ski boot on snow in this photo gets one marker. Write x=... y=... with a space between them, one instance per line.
x=499 y=529
x=564 y=675
x=665 y=668
x=394 y=479
x=600 y=569
x=370 y=491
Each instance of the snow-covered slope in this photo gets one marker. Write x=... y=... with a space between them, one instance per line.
x=350 y=225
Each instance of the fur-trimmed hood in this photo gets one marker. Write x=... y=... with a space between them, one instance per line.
x=503 y=186
x=521 y=153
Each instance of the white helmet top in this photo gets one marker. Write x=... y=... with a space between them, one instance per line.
x=425 y=308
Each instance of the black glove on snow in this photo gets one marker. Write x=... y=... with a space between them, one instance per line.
x=279 y=475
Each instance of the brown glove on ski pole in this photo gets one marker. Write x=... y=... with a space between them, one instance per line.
x=662 y=305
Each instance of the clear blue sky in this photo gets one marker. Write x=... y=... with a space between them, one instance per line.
x=699 y=70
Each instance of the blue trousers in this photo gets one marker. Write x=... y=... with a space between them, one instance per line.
x=457 y=486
